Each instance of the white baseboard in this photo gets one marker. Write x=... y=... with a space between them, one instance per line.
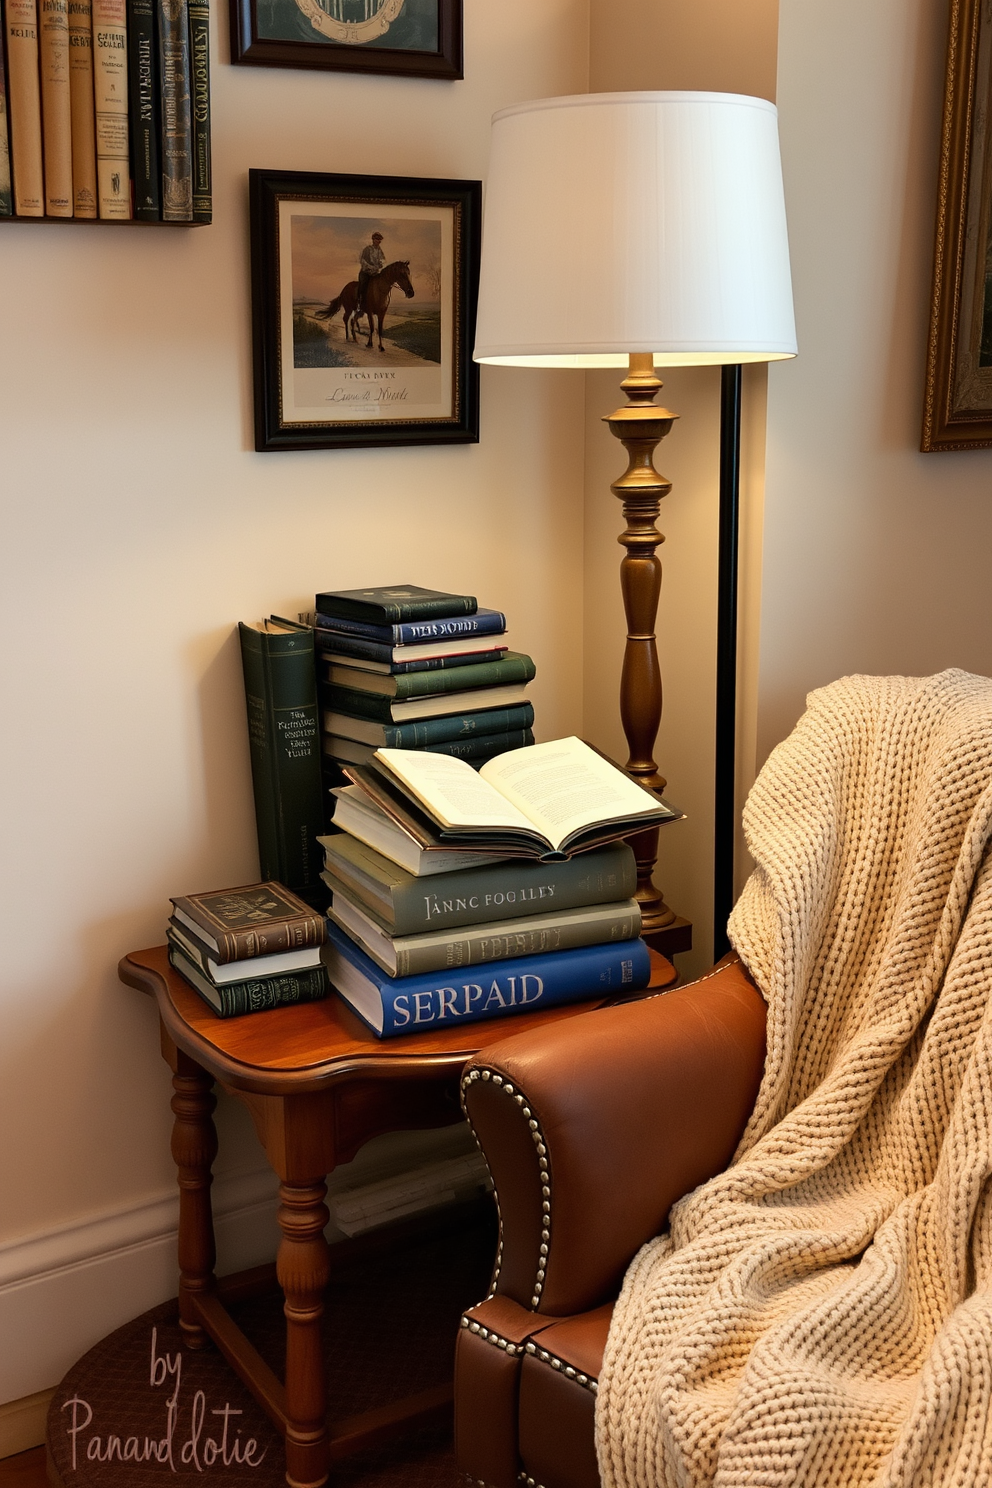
x=61 y=1292
x=64 y=1290
x=22 y=1423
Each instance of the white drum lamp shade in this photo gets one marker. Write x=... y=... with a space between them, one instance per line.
x=635 y=222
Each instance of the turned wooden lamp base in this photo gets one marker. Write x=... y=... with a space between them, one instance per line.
x=640 y=426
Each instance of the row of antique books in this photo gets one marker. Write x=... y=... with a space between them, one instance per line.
x=455 y=895
x=105 y=109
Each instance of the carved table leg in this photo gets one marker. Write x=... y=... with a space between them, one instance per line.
x=303 y=1269
x=194 y=1147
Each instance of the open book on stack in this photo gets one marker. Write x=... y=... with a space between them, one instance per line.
x=545 y=801
x=455 y=898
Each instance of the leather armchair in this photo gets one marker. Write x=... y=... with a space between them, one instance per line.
x=592 y=1129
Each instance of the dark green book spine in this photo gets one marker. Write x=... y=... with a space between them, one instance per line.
x=177 y=129
x=254 y=994
x=284 y=738
x=458 y=726
x=199 y=62
x=513 y=667
x=142 y=60
x=483 y=747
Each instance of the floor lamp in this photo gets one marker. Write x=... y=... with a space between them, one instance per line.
x=636 y=230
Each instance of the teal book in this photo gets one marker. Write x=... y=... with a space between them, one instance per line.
x=512 y=666
x=254 y=994
x=430 y=730
x=408 y=905
x=350 y=701
x=199 y=73
x=284 y=740
x=395 y=604
x=398 y=1005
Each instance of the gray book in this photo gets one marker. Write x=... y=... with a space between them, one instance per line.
x=407 y=905
x=497 y=940
x=177 y=126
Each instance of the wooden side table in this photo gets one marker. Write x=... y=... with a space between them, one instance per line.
x=318 y=1086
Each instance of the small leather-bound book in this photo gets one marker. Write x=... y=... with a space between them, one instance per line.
x=253 y=920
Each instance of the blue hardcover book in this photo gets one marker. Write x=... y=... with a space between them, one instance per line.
x=397 y=1005
x=415 y=632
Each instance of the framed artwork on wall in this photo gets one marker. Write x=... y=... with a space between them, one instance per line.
x=417 y=38
x=364 y=292
x=957 y=410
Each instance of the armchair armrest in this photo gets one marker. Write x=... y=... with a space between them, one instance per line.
x=592 y=1129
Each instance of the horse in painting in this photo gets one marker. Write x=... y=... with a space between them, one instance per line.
x=377 y=295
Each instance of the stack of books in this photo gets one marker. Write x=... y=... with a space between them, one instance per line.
x=109 y=108
x=248 y=949
x=457 y=895
x=411 y=668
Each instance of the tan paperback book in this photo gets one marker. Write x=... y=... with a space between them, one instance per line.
x=110 y=96
x=56 y=108
x=83 y=115
x=24 y=87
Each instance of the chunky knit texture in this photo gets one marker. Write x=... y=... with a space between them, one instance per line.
x=821 y=1313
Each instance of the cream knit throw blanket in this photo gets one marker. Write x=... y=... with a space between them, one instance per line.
x=821 y=1313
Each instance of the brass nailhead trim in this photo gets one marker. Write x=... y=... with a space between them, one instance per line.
x=496 y=1339
x=537 y=1137
x=566 y=1369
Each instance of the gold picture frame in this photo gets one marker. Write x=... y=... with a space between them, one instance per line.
x=957 y=412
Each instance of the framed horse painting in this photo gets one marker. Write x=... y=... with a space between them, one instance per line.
x=364 y=291
x=418 y=38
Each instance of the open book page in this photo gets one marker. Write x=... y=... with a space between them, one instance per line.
x=564 y=786
x=452 y=790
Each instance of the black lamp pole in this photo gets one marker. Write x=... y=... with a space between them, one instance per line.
x=725 y=821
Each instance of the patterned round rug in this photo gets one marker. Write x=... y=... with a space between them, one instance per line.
x=140 y=1410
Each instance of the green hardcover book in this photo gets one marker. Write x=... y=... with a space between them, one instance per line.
x=513 y=666
x=496 y=940
x=199 y=74
x=284 y=738
x=254 y=995
x=395 y=603
x=477 y=749
x=508 y=890
x=433 y=705
x=430 y=730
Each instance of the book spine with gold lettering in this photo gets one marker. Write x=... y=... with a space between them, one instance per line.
x=199 y=65
x=83 y=116
x=6 y=194
x=24 y=83
x=177 y=125
x=56 y=105
x=110 y=97
x=146 y=170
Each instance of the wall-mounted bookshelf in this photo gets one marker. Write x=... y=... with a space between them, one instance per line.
x=105 y=112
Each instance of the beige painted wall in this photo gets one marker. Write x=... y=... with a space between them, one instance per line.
x=717 y=45
x=139 y=526
x=876 y=556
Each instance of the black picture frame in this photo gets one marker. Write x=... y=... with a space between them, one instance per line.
x=304 y=20
x=316 y=388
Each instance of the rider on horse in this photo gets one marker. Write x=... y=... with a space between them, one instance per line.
x=372 y=262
